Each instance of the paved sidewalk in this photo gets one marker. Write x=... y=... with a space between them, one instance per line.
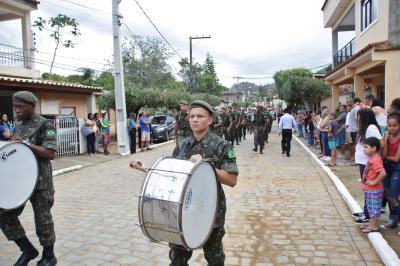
x=283 y=211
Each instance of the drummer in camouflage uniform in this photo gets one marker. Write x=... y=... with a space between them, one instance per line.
x=260 y=124
x=205 y=145
x=182 y=129
x=40 y=135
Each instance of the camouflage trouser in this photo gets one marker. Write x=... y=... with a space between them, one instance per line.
x=42 y=201
x=227 y=135
x=213 y=251
x=259 y=136
x=244 y=129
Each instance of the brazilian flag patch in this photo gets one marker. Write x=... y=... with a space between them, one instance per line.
x=50 y=133
x=231 y=154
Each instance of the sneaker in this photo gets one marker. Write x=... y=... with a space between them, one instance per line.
x=328 y=158
x=358 y=215
x=149 y=149
x=362 y=220
x=389 y=225
x=323 y=158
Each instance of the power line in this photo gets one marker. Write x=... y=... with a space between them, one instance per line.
x=87 y=7
x=159 y=32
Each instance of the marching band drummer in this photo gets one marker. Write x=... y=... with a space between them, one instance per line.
x=40 y=135
x=205 y=145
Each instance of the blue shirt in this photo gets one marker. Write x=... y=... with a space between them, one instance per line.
x=131 y=124
x=3 y=128
x=143 y=126
x=287 y=122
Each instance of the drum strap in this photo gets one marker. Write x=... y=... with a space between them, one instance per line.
x=184 y=149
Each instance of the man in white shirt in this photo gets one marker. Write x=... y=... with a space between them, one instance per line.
x=286 y=124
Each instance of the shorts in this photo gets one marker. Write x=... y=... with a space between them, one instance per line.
x=392 y=179
x=373 y=200
x=351 y=137
x=145 y=136
x=332 y=144
x=341 y=138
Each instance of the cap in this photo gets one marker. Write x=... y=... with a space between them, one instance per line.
x=202 y=104
x=183 y=102
x=25 y=96
x=103 y=112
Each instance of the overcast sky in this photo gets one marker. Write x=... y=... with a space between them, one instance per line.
x=252 y=39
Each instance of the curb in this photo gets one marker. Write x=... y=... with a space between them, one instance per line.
x=381 y=246
x=78 y=166
x=65 y=170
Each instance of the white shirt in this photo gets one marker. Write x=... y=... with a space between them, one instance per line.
x=287 y=122
x=360 y=156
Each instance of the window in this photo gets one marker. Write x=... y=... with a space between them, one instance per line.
x=68 y=111
x=369 y=12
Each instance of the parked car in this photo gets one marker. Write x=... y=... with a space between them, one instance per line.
x=162 y=127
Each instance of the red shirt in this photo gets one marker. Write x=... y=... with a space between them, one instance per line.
x=371 y=172
x=392 y=147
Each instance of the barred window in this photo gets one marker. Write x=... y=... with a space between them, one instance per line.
x=369 y=12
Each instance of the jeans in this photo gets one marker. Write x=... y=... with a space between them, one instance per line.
x=91 y=142
x=299 y=130
x=310 y=139
x=324 y=140
x=132 y=140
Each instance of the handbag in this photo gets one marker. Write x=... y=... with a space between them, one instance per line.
x=86 y=130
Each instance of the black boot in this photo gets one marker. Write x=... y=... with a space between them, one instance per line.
x=48 y=257
x=29 y=252
x=261 y=152
x=255 y=148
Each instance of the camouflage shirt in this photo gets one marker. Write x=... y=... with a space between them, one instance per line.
x=216 y=151
x=216 y=120
x=225 y=120
x=39 y=131
x=260 y=119
x=183 y=124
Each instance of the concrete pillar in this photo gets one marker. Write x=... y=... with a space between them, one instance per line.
x=374 y=89
x=335 y=97
x=27 y=40
x=359 y=86
x=91 y=103
x=335 y=43
x=392 y=81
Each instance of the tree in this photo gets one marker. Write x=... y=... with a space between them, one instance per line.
x=283 y=76
x=57 y=24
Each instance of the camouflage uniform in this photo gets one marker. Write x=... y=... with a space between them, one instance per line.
x=235 y=132
x=216 y=120
x=259 y=135
x=39 y=131
x=221 y=155
x=225 y=125
x=268 y=125
x=184 y=130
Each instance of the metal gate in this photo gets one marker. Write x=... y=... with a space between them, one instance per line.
x=67 y=135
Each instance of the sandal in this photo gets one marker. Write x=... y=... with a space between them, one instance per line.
x=367 y=230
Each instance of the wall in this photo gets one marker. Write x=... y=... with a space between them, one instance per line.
x=51 y=103
x=377 y=31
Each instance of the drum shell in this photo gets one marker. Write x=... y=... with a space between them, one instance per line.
x=161 y=215
x=19 y=173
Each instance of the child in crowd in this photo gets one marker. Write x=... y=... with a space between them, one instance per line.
x=391 y=155
x=372 y=186
x=332 y=138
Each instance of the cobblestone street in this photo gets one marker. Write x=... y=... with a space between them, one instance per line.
x=283 y=211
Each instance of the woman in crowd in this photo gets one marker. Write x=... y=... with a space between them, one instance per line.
x=91 y=138
x=6 y=123
x=380 y=114
x=5 y=133
x=132 y=132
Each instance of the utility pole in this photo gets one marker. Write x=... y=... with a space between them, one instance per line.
x=237 y=81
x=191 y=60
x=120 y=104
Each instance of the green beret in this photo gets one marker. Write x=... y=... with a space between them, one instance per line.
x=201 y=104
x=183 y=102
x=25 y=96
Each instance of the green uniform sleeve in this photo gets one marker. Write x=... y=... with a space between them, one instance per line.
x=48 y=136
x=228 y=163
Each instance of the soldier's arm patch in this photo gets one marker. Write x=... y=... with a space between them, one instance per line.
x=231 y=154
x=50 y=133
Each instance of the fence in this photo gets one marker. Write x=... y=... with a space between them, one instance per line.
x=67 y=135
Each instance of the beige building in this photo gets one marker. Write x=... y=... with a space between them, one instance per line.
x=370 y=62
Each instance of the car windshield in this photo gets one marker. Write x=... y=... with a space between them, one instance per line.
x=159 y=120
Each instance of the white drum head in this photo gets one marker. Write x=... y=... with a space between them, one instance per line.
x=199 y=206
x=19 y=171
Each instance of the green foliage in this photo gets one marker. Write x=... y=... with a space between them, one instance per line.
x=299 y=88
x=57 y=24
x=211 y=99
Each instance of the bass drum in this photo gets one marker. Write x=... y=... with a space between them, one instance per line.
x=19 y=172
x=178 y=202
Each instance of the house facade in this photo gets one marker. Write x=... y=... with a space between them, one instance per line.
x=370 y=62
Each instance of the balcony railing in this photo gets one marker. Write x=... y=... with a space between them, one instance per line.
x=14 y=57
x=345 y=53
